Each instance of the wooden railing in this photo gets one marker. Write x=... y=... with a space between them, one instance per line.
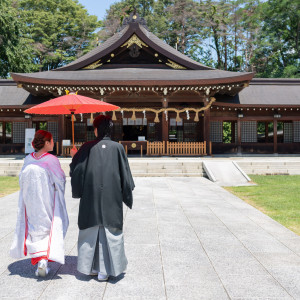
x=155 y=148
x=186 y=148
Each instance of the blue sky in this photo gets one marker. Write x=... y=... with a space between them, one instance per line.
x=97 y=8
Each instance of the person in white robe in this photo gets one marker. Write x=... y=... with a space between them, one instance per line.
x=42 y=220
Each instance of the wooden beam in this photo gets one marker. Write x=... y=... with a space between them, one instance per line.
x=275 y=135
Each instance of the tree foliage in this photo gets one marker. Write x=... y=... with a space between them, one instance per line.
x=15 y=53
x=58 y=30
x=234 y=35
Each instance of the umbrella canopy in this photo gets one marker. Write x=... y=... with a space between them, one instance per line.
x=70 y=104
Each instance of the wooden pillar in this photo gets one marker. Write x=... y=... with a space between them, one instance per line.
x=275 y=136
x=239 y=137
x=165 y=124
x=266 y=132
x=206 y=129
x=61 y=132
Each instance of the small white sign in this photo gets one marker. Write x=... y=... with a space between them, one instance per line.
x=29 y=136
x=124 y=121
x=139 y=121
x=141 y=138
x=180 y=123
x=66 y=142
x=89 y=122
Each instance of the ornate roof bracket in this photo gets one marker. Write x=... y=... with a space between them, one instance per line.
x=173 y=65
x=94 y=65
x=134 y=40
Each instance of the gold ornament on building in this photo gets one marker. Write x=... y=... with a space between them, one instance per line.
x=173 y=65
x=94 y=65
x=134 y=40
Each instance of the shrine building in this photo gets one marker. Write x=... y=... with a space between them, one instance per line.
x=169 y=103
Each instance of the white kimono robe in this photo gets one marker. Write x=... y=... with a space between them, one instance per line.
x=42 y=220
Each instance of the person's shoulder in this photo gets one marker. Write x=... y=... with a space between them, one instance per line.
x=53 y=158
x=88 y=145
x=116 y=145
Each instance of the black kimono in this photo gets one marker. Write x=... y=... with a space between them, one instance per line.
x=101 y=177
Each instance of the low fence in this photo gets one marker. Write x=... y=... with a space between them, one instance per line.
x=186 y=148
x=177 y=148
x=162 y=148
x=156 y=148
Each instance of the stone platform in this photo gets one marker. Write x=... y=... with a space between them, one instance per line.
x=185 y=238
x=181 y=166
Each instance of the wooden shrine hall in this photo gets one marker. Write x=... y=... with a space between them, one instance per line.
x=169 y=103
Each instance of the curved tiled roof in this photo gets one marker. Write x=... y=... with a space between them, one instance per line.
x=267 y=91
x=133 y=76
x=121 y=37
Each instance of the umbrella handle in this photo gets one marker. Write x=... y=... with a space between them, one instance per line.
x=72 y=117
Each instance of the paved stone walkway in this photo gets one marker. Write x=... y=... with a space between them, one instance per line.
x=186 y=238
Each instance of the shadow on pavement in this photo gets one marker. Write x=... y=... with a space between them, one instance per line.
x=24 y=268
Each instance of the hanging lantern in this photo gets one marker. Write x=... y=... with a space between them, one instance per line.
x=196 y=119
x=114 y=116
x=81 y=117
x=133 y=116
x=73 y=117
x=122 y=113
x=166 y=114
x=92 y=117
x=144 y=112
x=156 y=120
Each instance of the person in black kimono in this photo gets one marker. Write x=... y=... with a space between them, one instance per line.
x=101 y=178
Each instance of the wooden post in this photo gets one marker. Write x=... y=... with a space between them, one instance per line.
x=275 y=136
x=239 y=137
x=267 y=132
x=165 y=124
x=61 y=132
x=206 y=129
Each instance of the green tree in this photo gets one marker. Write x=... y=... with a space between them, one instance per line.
x=15 y=53
x=58 y=30
x=278 y=51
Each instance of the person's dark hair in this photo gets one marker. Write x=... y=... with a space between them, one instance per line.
x=104 y=126
x=40 y=137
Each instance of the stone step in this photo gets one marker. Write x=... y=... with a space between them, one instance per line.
x=174 y=167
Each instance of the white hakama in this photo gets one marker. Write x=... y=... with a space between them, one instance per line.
x=101 y=249
x=42 y=220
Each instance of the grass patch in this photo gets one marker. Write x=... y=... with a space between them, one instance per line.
x=277 y=196
x=8 y=185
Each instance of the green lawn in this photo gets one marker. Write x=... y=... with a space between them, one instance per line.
x=277 y=196
x=8 y=185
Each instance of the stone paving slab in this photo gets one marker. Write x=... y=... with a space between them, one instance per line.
x=186 y=238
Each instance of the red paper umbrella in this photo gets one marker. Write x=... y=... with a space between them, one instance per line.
x=71 y=104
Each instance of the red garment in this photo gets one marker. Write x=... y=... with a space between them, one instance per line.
x=35 y=260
